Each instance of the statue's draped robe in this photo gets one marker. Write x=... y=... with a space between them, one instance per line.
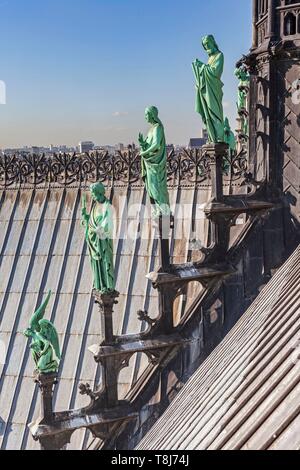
x=45 y=355
x=210 y=95
x=242 y=95
x=154 y=169
x=229 y=139
x=242 y=101
x=244 y=82
x=101 y=247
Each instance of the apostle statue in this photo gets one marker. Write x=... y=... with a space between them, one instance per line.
x=243 y=90
x=154 y=163
x=244 y=83
x=209 y=88
x=98 y=234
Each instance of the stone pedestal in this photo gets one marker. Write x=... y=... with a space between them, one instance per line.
x=106 y=302
x=46 y=383
x=163 y=230
x=216 y=153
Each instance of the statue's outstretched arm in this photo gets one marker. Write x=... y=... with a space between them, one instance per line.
x=143 y=142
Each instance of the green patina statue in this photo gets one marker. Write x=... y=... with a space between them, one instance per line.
x=44 y=346
x=244 y=80
x=154 y=163
x=209 y=88
x=229 y=137
x=98 y=234
x=243 y=90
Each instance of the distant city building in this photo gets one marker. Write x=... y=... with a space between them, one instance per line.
x=35 y=150
x=86 y=146
x=170 y=148
x=197 y=143
x=204 y=134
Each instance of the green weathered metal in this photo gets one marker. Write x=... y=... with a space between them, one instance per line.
x=154 y=163
x=229 y=136
x=209 y=87
x=244 y=82
x=44 y=346
x=98 y=233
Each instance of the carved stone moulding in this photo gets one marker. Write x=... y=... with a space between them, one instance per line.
x=57 y=434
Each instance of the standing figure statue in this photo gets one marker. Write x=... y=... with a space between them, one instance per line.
x=243 y=90
x=229 y=138
x=209 y=88
x=154 y=163
x=244 y=81
x=98 y=234
x=44 y=346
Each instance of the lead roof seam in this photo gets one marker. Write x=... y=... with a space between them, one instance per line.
x=132 y=269
x=199 y=397
x=122 y=231
x=253 y=397
x=281 y=424
x=187 y=384
x=250 y=431
x=279 y=277
x=57 y=290
x=4 y=245
x=19 y=308
x=284 y=435
x=62 y=274
x=42 y=288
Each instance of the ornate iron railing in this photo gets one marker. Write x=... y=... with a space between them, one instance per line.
x=185 y=167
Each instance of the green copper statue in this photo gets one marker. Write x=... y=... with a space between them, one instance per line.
x=44 y=345
x=209 y=88
x=243 y=90
x=154 y=163
x=98 y=234
x=229 y=136
x=244 y=80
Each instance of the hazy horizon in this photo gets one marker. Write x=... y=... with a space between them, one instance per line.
x=78 y=72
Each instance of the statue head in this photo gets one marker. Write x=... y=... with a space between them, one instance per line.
x=28 y=332
x=98 y=192
x=209 y=44
x=45 y=327
x=151 y=115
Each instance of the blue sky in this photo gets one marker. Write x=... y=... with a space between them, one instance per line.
x=86 y=69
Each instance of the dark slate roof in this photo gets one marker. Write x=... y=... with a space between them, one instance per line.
x=197 y=143
x=246 y=395
x=41 y=248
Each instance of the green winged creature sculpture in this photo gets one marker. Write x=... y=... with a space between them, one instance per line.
x=44 y=345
